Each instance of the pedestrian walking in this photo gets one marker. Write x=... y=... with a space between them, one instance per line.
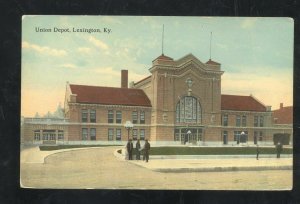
x=138 y=149
x=146 y=150
x=257 y=152
x=129 y=147
x=278 y=149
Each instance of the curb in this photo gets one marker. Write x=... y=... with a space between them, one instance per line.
x=221 y=169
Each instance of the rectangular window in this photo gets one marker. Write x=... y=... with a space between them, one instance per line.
x=260 y=136
x=93 y=133
x=236 y=135
x=84 y=134
x=84 y=116
x=244 y=121
x=225 y=120
x=134 y=117
x=238 y=120
x=110 y=134
x=110 y=116
x=118 y=135
x=255 y=121
x=142 y=134
x=134 y=134
x=93 y=116
x=60 y=135
x=142 y=117
x=225 y=137
x=49 y=135
x=118 y=116
x=261 y=121
x=52 y=136
x=46 y=136
x=37 y=135
x=176 y=135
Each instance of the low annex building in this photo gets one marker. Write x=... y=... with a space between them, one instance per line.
x=180 y=102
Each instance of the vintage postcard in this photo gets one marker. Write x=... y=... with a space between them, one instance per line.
x=144 y=102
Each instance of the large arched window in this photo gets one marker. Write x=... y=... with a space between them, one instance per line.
x=188 y=110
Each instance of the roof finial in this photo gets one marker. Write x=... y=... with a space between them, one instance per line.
x=210 y=46
x=162 y=41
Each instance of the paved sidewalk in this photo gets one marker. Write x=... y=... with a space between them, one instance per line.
x=216 y=165
x=205 y=164
x=35 y=156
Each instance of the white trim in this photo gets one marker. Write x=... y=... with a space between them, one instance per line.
x=110 y=106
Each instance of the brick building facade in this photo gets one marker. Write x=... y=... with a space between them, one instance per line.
x=180 y=102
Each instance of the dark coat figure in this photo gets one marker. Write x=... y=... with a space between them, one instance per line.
x=138 y=149
x=129 y=147
x=278 y=149
x=147 y=150
x=257 y=152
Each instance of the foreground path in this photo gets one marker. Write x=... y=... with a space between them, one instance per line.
x=99 y=168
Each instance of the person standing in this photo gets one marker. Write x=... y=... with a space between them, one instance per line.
x=278 y=149
x=146 y=150
x=137 y=149
x=129 y=147
x=257 y=152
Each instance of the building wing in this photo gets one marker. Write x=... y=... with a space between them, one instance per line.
x=109 y=95
x=283 y=115
x=241 y=103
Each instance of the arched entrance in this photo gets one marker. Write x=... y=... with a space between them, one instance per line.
x=188 y=134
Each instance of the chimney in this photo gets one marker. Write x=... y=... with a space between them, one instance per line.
x=124 y=78
x=281 y=105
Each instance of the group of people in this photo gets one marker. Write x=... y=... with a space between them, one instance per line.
x=146 y=148
x=138 y=150
x=279 y=149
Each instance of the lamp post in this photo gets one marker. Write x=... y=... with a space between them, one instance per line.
x=189 y=133
x=128 y=125
x=242 y=135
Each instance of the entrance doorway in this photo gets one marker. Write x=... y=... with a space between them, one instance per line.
x=188 y=135
x=225 y=137
x=49 y=136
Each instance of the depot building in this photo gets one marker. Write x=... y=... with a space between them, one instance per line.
x=180 y=102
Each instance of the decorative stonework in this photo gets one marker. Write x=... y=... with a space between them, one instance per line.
x=189 y=82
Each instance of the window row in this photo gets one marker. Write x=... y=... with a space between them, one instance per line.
x=113 y=134
x=112 y=116
x=241 y=121
x=88 y=112
x=48 y=135
x=240 y=137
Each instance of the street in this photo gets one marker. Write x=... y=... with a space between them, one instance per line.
x=98 y=168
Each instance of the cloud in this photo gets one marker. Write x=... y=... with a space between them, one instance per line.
x=68 y=66
x=98 y=43
x=270 y=86
x=44 y=49
x=132 y=76
x=110 y=72
x=248 y=23
x=84 y=50
x=107 y=71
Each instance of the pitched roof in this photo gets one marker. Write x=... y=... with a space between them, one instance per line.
x=164 y=57
x=284 y=115
x=212 y=62
x=241 y=103
x=110 y=95
x=142 y=80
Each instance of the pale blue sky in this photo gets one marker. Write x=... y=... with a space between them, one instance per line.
x=255 y=53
